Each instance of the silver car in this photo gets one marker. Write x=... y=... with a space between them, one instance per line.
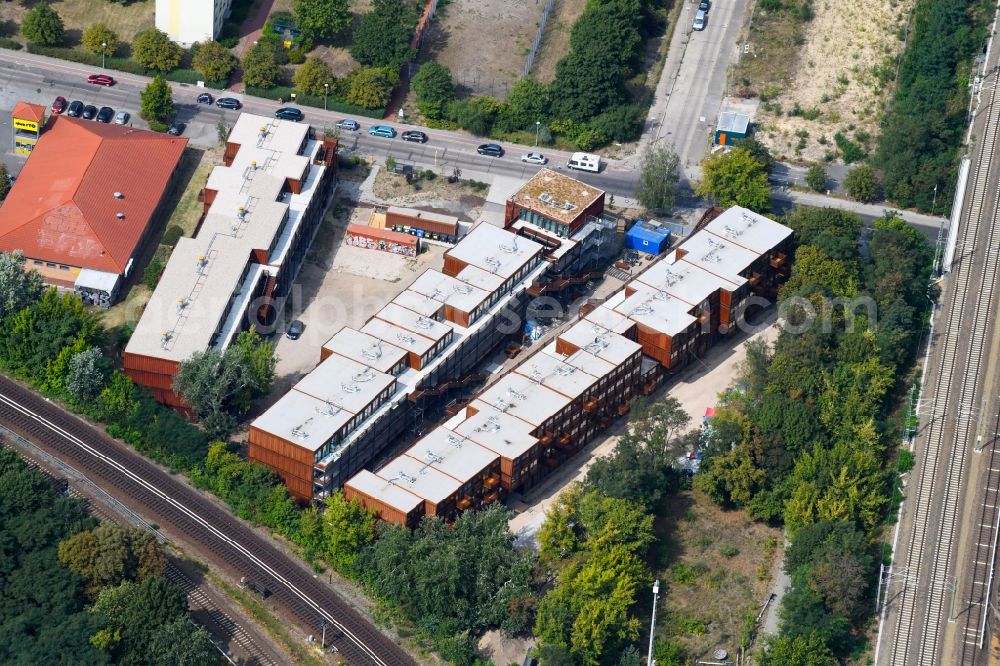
x=699 y=20
x=121 y=118
x=534 y=158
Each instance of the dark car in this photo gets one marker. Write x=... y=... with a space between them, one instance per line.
x=89 y=112
x=228 y=103
x=349 y=124
x=101 y=80
x=105 y=114
x=176 y=129
x=74 y=109
x=414 y=135
x=289 y=113
x=491 y=149
x=704 y=5
x=295 y=330
x=59 y=105
x=204 y=98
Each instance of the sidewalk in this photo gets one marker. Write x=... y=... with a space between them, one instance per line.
x=868 y=210
x=250 y=32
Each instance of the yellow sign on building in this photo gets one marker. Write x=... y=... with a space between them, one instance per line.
x=27 y=125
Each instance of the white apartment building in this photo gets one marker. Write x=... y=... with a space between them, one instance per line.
x=190 y=21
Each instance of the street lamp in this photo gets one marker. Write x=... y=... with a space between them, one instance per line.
x=326 y=91
x=538 y=126
x=652 y=623
x=104 y=50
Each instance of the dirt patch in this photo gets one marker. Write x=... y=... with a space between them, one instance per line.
x=831 y=75
x=716 y=571
x=78 y=15
x=438 y=195
x=481 y=66
x=504 y=650
x=555 y=39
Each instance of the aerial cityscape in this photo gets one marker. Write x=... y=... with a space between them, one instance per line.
x=499 y=333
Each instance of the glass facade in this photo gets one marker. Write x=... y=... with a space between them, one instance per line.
x=561 y=230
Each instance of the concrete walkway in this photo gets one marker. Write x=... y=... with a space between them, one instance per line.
x=927 y=223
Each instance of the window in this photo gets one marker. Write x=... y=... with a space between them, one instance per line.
x=49 y=264
x=38 y=263
x=63 y=267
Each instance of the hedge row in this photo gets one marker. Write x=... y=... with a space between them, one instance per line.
x=333 y=103
x=121 y=64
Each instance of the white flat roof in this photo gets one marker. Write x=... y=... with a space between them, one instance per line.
x=420 y=479
x=387 y=493
x=495 y=250
x=600 y=342
x=451 y=453
x=413 y=322
x=505 y=435
x=483 y=280
x=363 y=348
x=748 y=229
x=605 y=316
x=439 y=288
x=398 y=336
x=583 y=360
x=682 y=280
x=247 y=213
x=518 y=396
x=417 y=302
x=302 y=419
x=660 y=313
x=717 y=256
x=344 y=383
x=551 y=372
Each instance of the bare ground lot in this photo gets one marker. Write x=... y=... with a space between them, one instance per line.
x=830 y=75
x=78 y=15
x=555 y=39
x=484 y=43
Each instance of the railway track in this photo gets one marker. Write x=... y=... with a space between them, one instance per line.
x=170 y=502
x=950 y=421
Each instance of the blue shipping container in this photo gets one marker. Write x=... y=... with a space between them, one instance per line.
x=647 y=237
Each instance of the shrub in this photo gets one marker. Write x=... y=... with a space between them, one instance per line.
x=214 y=61
x=172 y=235
x=371 y=87
x=260 y=65
x=620 y=123
x=862 y=184
x=100 y=38
x=8 y=43
x=153 y=50
x=310 y=77
x=42 y=25
x=296 y=57
x=433 y=88
x=849 y=150
x=816 y=178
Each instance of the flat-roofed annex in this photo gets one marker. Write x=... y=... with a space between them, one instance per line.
x=420 y=478
x=389 y=493
x=548 y=192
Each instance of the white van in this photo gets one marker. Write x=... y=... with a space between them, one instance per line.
x=584 y=162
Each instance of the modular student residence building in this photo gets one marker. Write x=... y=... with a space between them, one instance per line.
x=262 y=208
x=531 y=420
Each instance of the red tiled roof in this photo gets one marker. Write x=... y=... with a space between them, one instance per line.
x=26 y=111
x=63 y=207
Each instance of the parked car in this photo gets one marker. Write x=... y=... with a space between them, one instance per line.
x=89 y=112
x=228 y=103
x=491 y=149
x=176 y=128
x=74 y=109
x=101 y=80
x=295 y=330
x=121 y=118
x=105 y=114
x=59 y=105
x=414 y=135
x=289 y=113
x=699 y=20
x=534 y=158
x=382 y=130
x=704 y=5
x=349 y=124
x=204 y=98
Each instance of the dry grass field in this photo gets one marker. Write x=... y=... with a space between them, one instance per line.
x=555 y=39
x=78 y=15
x=822 y=77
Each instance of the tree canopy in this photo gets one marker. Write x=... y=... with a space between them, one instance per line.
x=214 y=61
x=320 y=19
x=384 y=36
x=658 y=178
x=735 y=178
x=99 y=38
x=42 y=25
x=261 y=68
x=311 y=76
x=157 y=100
x=433 y=88
x=153 y=50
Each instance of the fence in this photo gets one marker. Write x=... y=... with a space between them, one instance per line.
x=538 y=38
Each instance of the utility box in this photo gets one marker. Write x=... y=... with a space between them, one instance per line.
x=649 y=237
x=731 y=127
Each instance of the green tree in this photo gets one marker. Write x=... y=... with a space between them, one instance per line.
x=19 y=287
x=5 y=184
x=157 y=100
x=153 y=50
x=433 y=88
x=658 y=179
x=110 y=554
x=42 y=25
x=86 y=373
x=260 y=65
x=371 y=87
x=816 y=178
x=312 y=74
x=134 y=613
x=735 y=178
x=348 y=527
x=862 y=183
x=798 y=651
x=527 y=103
x=214 y=61
x=182 y=643
x=758 y=150
x=99 y=38
x=384 y=36
x=320 y=19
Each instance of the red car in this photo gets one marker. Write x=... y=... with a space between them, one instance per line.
x=59 y=105
x=101 y=79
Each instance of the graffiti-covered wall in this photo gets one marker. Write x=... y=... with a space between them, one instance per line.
x=371 y=239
